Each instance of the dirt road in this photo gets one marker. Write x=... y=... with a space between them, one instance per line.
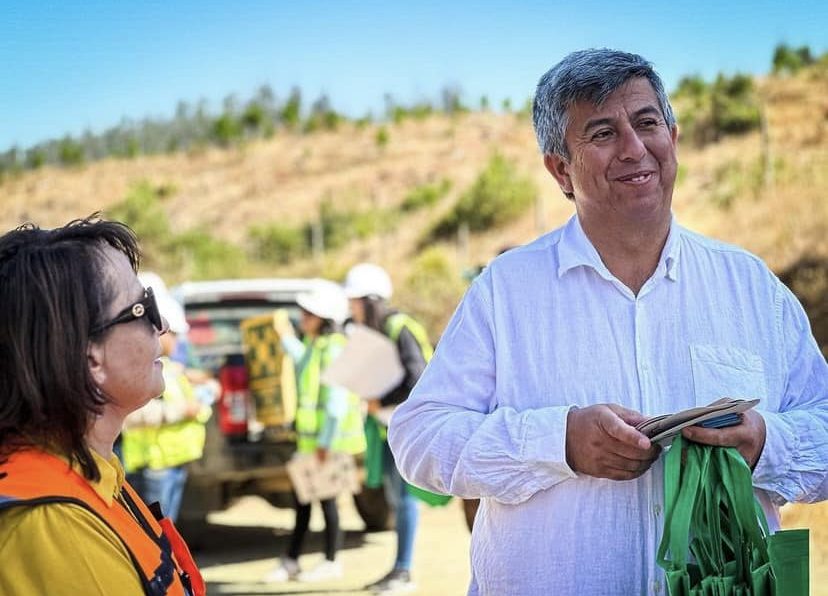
x=246 y=540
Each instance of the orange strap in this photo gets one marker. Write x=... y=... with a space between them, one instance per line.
x=183 y=556
x=33 y=477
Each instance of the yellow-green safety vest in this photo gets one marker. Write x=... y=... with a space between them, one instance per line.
x=378 y=434
x=394 y=325
x=168 y=445
x=313 y=399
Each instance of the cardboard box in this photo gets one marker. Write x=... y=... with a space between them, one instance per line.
x=271 y=376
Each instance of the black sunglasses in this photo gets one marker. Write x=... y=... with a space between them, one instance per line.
x=147 y=306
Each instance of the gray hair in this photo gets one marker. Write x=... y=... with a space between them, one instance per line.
x=587 y=75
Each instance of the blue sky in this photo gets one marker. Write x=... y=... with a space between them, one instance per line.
x=67 y=65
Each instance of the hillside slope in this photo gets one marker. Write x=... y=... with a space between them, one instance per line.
x=781 y=214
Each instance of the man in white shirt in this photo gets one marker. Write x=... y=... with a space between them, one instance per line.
x=561 y=346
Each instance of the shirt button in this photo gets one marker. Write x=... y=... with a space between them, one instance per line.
x=657 y=509
x=657 y=587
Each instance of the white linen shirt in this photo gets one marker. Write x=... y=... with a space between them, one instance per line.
x=546 y=327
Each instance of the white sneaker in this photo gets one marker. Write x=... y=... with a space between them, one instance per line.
x=286 y=570
x=324 y=571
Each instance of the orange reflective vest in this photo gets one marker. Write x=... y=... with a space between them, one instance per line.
x=161 y=559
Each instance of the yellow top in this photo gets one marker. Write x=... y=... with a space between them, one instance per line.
x=62 y=549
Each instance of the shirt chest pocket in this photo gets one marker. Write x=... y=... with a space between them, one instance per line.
x=723 y=371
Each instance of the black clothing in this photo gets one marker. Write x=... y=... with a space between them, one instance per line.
x=413 y=361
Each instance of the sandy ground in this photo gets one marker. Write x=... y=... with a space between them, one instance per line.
x=247 y=539
x=250 y=535
x=814 y=517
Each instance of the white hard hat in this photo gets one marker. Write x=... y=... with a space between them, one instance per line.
x=367 y=279
x=168 y=306
x=152 y=280
x=326 y=300
x=172 y=310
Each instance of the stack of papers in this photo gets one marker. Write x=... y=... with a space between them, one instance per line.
x=368 y=365
x=721 y=413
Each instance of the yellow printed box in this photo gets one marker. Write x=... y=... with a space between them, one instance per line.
x=270 y=371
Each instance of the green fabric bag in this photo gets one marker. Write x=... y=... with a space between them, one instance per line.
x=429 y=498
x=375 y=436
x=716 y=540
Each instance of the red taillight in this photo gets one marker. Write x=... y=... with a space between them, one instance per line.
x=234 y=400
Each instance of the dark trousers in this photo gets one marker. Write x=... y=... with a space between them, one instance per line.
x=332 y=534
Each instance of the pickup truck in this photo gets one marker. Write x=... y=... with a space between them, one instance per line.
x=242 y=456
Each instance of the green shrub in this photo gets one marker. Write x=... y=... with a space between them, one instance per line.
x=132 y=149
x=498 y=195
x=142 y=210
x=432 y=290
x=277 y=243
x=70 y=152
x=735 y=108
x=340 y=226
x=290 y=114
x=367 y=223
x=193 y=254
x=425 y=195
x=737 y=179
x=791 y=60
x=198 y=255
x=254 y=117
x=227 y=129
x=381 y=137
x=681 y=174
x=35 y=158
x=706 y=112
x=336 y=225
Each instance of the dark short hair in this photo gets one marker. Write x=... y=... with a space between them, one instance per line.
x=53 y=291
x=328 y=326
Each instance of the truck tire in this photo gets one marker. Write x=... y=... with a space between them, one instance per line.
x=373 y=508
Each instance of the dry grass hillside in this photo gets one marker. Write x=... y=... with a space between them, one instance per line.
x=721 y=189
x=724 y=190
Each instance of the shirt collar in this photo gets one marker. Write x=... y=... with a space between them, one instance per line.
x=112 y=476
x=575 y=250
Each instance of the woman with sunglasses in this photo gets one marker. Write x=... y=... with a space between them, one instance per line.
x=163 y=437
x=80 y=350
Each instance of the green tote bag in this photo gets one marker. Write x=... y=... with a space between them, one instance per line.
x=716 y=540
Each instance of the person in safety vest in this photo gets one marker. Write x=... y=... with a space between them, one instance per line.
x=160 y=439
x=369 y=288
x=328 y=418
x=81 y=349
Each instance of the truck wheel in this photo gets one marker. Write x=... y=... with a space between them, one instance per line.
x=470 y=510
x=373 y=508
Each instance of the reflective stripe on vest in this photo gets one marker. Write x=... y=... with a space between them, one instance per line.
x=394 y=325
x=32 y=477
x=313 y=399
